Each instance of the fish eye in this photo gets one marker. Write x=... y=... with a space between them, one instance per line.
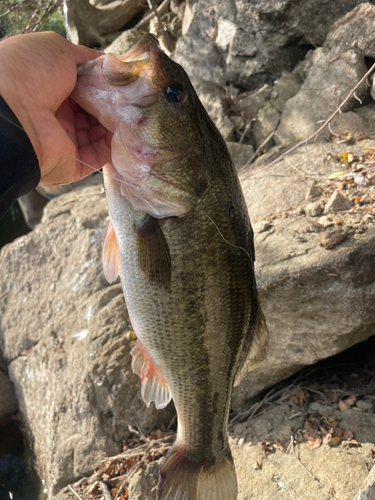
x=175 y=93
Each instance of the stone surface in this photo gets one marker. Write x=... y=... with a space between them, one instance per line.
x=314 y=209
x=65 y=335
x=367 y=490
x=217 y=104
x=90 y=24
x=124 y=42
x=292 y=268
x=245 y=43
x=333 y=236
x=355 y=31
x=336 y=203
x=265 y=124
x=284 y=88
x=240 y=153
x=340 y=71
x=250 y=103
x=339 y=64
x=281 y=187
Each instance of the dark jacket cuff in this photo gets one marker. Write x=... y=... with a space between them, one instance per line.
x=19 y=168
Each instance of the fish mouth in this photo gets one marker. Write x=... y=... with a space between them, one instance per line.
x=141 y=62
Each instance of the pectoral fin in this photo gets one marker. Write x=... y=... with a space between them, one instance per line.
x=154 y=387
x=255 y=349
x=110 y=256
x=153 y=252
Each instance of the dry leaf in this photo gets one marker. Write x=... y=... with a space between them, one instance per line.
x=313 y=443
x=347 y=435
x=343 y=406
x=327 y=438
x=299 y=397
x=335 y=441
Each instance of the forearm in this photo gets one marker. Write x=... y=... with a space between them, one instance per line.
x=19 y=168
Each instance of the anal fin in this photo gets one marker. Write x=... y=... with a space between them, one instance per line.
x=110 y=255
x=255 y=349
x=154 y=387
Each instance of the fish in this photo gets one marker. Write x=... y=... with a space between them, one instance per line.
x=181 y=240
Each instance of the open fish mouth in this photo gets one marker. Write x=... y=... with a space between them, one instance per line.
x=139 y=61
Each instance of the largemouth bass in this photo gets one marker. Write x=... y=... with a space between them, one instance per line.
x=181 y=240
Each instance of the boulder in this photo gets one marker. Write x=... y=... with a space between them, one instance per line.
x=367 y=490
x=65 y=336
x=246 y=43
x=217 y=103
x=240 y=153
x=308 y=298
x=340 y=64
x=124 y=42
x=340 y=71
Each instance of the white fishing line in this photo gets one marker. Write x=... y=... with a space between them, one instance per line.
x=221 y=234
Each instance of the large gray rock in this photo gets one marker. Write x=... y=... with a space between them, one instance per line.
x=334 y=70
x=66 y=337
x=316 y=101
x=245 y=42
x=307 y=298
x=367 y=490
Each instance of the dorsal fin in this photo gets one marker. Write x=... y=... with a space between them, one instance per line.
x=110 y=256
x=154 y=387
x=255 y=349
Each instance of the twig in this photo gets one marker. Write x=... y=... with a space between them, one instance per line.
x=252 y=158
x=332 y=491
x=168 y=44
x=130 y=474
x=243 y=135
x=299 y=461
x=315 y=134
x=300 y=171
x=149 y=16
x=105 y=490
x=74 y=491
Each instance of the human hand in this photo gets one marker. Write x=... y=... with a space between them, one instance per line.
x=38 y=73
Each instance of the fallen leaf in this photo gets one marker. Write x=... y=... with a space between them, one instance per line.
x=343 y=406
x=313 y=443
x=347 y=435
x=299 y=397
x=334 y=175
x=327 y=438
x=335 y=441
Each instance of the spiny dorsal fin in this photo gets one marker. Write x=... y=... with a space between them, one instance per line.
x=153 y=252
x=154 y=387
x=110 y=256
x=256 y=351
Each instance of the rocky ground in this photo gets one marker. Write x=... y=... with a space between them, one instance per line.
x=311 y=437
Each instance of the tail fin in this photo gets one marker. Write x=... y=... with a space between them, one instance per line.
x=182 y=479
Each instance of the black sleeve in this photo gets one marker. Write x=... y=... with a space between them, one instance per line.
x=19 y=168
